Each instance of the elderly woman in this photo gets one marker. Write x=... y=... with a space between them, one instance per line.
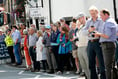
x=26 y=52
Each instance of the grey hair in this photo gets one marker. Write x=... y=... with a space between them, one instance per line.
x=33 y=28
x=93 y=8
x=25 y=32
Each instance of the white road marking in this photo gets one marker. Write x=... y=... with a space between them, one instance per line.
x=20 y=72
x=37 y=77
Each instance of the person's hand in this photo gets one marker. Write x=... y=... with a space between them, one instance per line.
x=72 y=39
x=91 y=29
x=41 y=49
x=60 y=40
x=76 y=43
x=63 y=45
x=97 y=34
x=34 y=47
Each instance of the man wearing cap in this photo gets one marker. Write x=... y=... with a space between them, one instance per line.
x=94 y=24
x=82 y=44
x=17 y=40
x=47 y=44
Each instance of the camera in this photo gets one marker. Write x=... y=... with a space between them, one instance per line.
x=92 y=34
x=76 y=39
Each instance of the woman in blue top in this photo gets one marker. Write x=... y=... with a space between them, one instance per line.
x=64 y=48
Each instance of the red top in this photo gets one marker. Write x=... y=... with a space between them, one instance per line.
x=25 y=42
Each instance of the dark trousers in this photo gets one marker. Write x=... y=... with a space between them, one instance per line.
x=64 y=61
x=55 y=52
x=44 y=64
x=33 y=57
x=94 y=50
x=108 y=49
x=11 y=54
x=38 y=65
x=116 y=54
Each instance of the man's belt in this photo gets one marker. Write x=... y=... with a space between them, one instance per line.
x=94 y=40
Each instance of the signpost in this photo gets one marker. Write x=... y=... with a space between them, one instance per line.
x=35 y=12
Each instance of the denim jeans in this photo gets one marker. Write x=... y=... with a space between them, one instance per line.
x=17 y=53
x=94 y=50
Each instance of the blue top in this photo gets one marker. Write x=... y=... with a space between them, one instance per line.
x=97 y=24
x=2 y=37
x=109 y=29
x=68 y=45
x=16 y=35
x=54 y=36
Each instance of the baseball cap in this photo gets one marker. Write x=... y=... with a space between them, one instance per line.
x=47 y=26
x=81 y=14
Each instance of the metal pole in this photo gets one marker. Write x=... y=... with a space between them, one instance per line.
x=50 y=11
x=115 y=10
x=42 y=3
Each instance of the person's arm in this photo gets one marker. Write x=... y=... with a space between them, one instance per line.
x=58 y=39
x=16 y=41
x=66 y=44
x=86 y=29
x=109 y=29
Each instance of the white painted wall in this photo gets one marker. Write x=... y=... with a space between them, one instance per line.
x=100 y=4
x=45 y=11
x=67 y=8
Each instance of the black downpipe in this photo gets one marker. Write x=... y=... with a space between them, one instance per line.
x=115 y=10
x=50 y=11
x=42 y=3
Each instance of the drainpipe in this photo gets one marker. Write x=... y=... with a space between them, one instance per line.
x=50 y=11
x=115 y=10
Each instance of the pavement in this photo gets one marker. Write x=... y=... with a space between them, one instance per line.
x=10 y=72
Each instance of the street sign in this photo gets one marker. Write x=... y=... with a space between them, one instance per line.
x=35 y=12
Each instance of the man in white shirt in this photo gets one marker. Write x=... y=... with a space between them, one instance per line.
x=82 y=45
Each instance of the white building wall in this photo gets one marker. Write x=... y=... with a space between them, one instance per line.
x=45 y=11
x=100 y=4
x=68 y=8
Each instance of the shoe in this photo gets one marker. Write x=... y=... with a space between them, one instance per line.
x=77 y=72
x=82 y=74
x=37 y=70
x=43 y=70
x=32 y=70
x=68 y=72
x=27 y=69
x=16 y=64
x=59 y=73
x=8 y=63
x=50 y=71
